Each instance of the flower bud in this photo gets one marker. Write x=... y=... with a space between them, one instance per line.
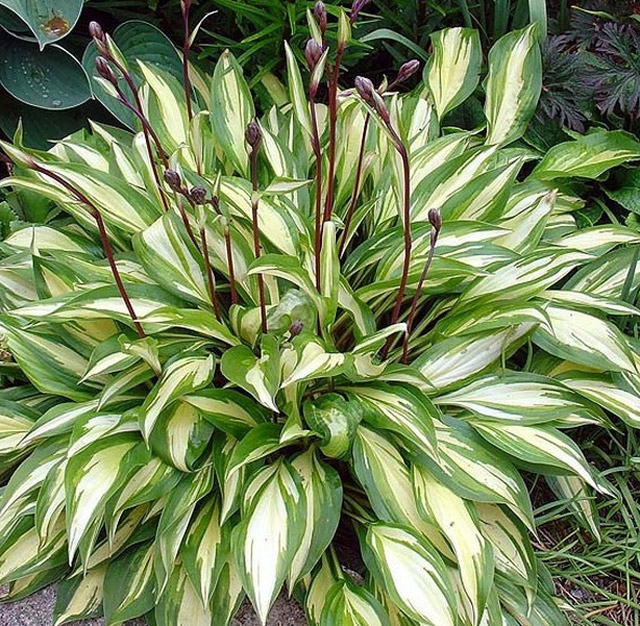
x=172 y=178
x=356 y=7
x=435 y=219
x=296 y=328
x=365 y=89
x=407 y=70
x=253 y=135
x=104 y=70
x=312 y=53
x=320 y=13
x=198 y=194
x=96 y=32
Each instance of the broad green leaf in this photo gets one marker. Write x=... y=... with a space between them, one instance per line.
x=231 y=110
x=182 y=377
x=513 y=85
x=411 y=572
x=589 y=156
x=48 y=20
x=349 y=605
x=308 y=359
x=458 y=522
x=453 y=72
x=258 y=376
x=267 y=539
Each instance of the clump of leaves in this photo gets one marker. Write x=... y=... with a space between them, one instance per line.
x=240 y=334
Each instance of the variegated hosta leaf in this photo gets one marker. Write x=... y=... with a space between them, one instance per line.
x=349 y=605
x=183 y=376
x=452 y=361
x=181 y=435
x=171 y=258
x=228 y=595
x=129 y=584
x=543 y=447
x=91 y=477
x=317 y=589
x=519 y=398
x=453 y=72
x=588 y=156
x=309 y=359
x=513 y=85
x=323 y=492
x=458 y=522
x=180 y=604
x=411 y=572
x=578 y=500
x=335 y=420
x=386 y=480
x=80 y=597
x=231 y=110
x=585 y=339
x=267 y=540
x=400 y=409
x=206 y=549
x=258 y=376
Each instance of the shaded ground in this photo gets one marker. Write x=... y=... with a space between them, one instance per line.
x=37 y=610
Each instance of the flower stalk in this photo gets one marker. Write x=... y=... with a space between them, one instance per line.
x=436 y=225
x=185 y=6
x=104 y=238
x=253 y=136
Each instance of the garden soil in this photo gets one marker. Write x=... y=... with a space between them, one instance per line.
x=37 y=610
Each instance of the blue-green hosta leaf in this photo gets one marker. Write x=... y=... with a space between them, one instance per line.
x=91 y=477
x=180 y=435
x=170 y=257
x=411 y=571
x=258 y=376
x=323 y=493
x=513 y=85
x=386 y=480
x=267 y=540
x=80 y=597
x=231 y=110
x=453 y=72
x=335 y=420
x=182 y=377
x=228 y=410
x=518 y=398
x=349 y=605
x=128 y=585
x=48 y=20
x=589 y=156
x=400 y=409
x=585 y=339
x=544 y=447
x=613 y=395
x=459 y=524
x=205 y=549
x=511 y=544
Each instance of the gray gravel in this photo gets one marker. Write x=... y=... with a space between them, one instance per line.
x=37 y=610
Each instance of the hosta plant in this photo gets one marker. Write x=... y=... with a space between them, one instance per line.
x=242 y=350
